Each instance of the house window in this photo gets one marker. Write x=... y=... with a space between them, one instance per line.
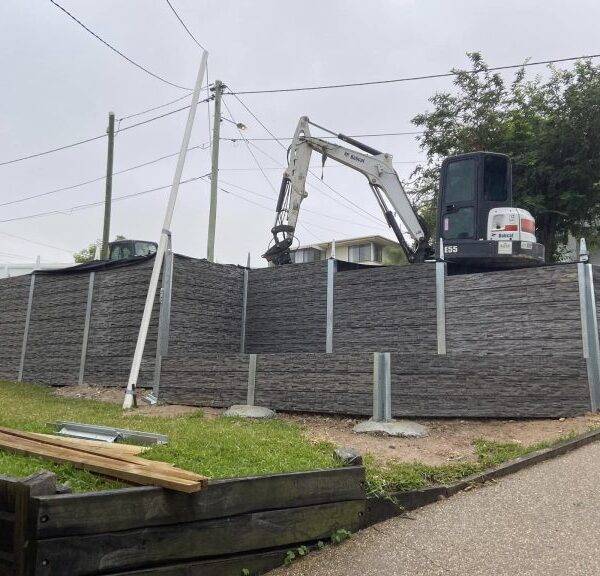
x=377 y=253
x=304 y=255
x=360 y=253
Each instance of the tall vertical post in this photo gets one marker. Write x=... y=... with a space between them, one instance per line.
x=331 y=270
x=244 y=306
x=214 y=178
x=86 y=327
x=589 y=325
x=130 y=395
x=108 y=192
x=26 y=331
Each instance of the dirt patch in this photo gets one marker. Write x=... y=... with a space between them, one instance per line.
x=449 y=440
x=115 y=396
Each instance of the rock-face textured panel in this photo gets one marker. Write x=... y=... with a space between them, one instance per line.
x=385 y=309
x=287 y=309
x=514 y=338
x=14 y=295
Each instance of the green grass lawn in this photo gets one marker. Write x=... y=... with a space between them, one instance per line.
x=216 y=447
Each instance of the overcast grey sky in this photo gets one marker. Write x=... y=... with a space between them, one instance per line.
x=59 y=83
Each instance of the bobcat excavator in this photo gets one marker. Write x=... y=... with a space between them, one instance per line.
x=477 y=227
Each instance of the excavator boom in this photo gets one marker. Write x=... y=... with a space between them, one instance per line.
x=376 y=166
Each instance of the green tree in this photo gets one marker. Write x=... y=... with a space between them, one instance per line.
x=85 y=255
x=88 y=254
x=551 y=130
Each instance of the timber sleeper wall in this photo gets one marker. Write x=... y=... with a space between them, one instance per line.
x=233 y=524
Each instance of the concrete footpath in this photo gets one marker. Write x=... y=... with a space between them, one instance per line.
x=544 y=520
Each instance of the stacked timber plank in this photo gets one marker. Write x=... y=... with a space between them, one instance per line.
x=114 y=460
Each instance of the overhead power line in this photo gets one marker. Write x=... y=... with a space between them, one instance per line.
x=78 y=207
x=139 y=66
x=414 y=78
x=186 y=28
x=14 y=160
x=29 y=156
x=311 y=172
x=250 y=151
x=38 y=243
x=374 y=135
x=100 y=178
x=142 y=112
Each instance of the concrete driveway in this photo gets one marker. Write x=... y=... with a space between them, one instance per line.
x=544 y=520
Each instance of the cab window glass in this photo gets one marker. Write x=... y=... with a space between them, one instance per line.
x=461 y=180
x=494 y=179
x=144 y=248
x=459 y=224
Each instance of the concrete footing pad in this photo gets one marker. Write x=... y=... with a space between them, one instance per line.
x=245 y=411
x=402 y=428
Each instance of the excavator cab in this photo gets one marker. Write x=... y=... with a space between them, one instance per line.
x=477 y=226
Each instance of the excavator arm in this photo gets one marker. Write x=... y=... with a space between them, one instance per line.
x=383 y=180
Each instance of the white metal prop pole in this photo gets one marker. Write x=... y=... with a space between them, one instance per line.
x=130 y=397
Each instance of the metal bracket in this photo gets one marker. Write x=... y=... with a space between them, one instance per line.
x=109 y=434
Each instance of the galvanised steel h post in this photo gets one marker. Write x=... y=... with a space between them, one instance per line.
x=589 y=325
x=382 y=387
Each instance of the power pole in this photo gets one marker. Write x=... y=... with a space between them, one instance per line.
x=212 y=215
x=108 y=196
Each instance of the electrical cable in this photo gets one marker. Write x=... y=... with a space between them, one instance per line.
x=100 y=178
x=311 y=172
x=160 y=116
x=335 y=167
x=127 y=117
x=376 y=135
x=14 y=160
x=38 y=243
x=139 y=66
x=68 y=211
x=308 y=210
x=186 y=28
x=423 y=77
x=207 y=180
x=53 y=150
x=250 y=150
x=9 y=255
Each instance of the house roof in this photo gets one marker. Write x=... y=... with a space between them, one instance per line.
x=347 y=241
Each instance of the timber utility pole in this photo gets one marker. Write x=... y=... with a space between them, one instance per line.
x=109 y=174
x=214 y=178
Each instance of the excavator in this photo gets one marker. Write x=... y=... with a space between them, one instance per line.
x=477 y=227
